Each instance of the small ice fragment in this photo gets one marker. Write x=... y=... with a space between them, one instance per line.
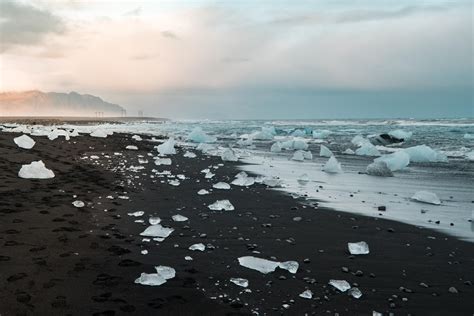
x=24 y=141
x=203 y=192
x=99 y=133
x=325 y=152
x=367 y=149
x=229 y=155
x=78 y=203
x=332 y=166
x=349 y=151
x=209 y=175
x=174 y=182
x=157 y=231
x=426 y=197
x=290 y=266
x=221 y=186
x=341 y=285
x=240 y=282
x=179 y=218
x=199 y=247
x=166 y=272
x=137 y=138
x=35 y=170
x=167 y=148
x=188 y=258
x=307 y=294
x=189 y=154
x=221 y=205
x=262 y=265
x=242 y=179
x=154 y=220
x=131 y=147
x=396 y=161
x=151 y=279
x=358 y=248
x=379 y=169
x=355 y=292
x=136 y=214
x=276 y=147
x=144 y=252
x=162 y=161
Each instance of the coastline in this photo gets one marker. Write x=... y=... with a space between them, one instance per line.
x=59 y=259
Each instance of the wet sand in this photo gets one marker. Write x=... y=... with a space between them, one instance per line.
x=56 y=259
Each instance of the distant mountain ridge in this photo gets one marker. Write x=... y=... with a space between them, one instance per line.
x=38 y=103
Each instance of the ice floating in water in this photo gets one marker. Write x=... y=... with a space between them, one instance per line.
x=189 y=154
x=229 y=155
x=221 y=186
x=243 y=180
x=396 y=161
x=240 y=282
x=307 y=294
x=355 y=292
x=341 y=285
x=78 y=204
x=35 y=170
x=276 y=147
x=426 y=197
x=367 y=149
x=221 y=205
x=203 y=192
x=358 y=248
x=198 y=136
x=163 y=273
x=401 y=134
x=266 y=266
x=379 y=169
x=136 y=214
x=321 y=134
x=199 y=247
x=163 y=161
x=167 y=148
x=325 y=152
x=157 y=231
x=131 y=147
x=425 y=153
x=332 y=166
x=24 y=141
x=99 y=133
x=179 y=218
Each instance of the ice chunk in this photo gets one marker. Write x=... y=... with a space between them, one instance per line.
x=359 y=140
x=166 y=272
x=189 y=154
x=325 y=152
x=55 y=133
x=205 y=148
x=209 y=175
x=198 y=136
x=203 y=192
x=298 y=133
x=221 y=186
x=78 y=204
x=468 y=136
x=355 y=292
x=401 y=134
x=300 y=144
x=154 y=220
x=229 y=155
x=35 y=170
x=303 y=178
x=396 y=161
x=332 y=166
x=276 y=147
x=179 y=218
x=162 y=161
x=131 y=147
x=425 y=153
x=261 y=265
x=99 y=133
x=137 y=138
x=174 y=182
x=307 y=294
x=301 y=155
x=167 y=148
x=426 y=197
x=136 y=214
x=321 y=134
x=242 y=179
x=24 y=141
x=199 y=247
x=367 y=149
x=358 y=248
x=150 y=279
x=240 y=282
x=290 y=266
x=157 y=231
x=379 y=169
x=470 y=156
x=221 y=205
x=349 y=151
x=341 y=285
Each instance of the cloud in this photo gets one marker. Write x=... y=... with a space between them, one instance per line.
x=169 y=34
x=23 y=24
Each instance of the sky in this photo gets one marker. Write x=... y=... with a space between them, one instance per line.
x=247 y=59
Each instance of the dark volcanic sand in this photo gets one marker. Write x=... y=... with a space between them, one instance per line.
x=56 y=259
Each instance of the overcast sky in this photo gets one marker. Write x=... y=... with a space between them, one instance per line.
x=247 y=59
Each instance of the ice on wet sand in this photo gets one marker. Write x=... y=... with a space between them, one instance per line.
x=35 y=170
x=229 y=155
x=325 y=152
x=307 y=294
x=358 y=248
x=131 y=147
x=163 y=273
x=24 y=141
x=341 y=285
x=167 y=148
x=425 y=153
x=396 y=161
x=379 y=169
x=240 y=282
x=78 y=204
x=426 y=197
x=221 y=186
x=221 y=205
x=332 y=166
x=198 y=247
x=157 y=231
x=266 y=266
x=179 y=218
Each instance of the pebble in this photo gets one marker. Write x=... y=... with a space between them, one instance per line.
x=453 y=290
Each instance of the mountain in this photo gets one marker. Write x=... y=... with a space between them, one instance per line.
x=37 y=103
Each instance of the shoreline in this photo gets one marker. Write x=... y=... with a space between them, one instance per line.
x=43 y=274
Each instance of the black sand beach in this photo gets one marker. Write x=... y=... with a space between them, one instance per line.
x=56 y=259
